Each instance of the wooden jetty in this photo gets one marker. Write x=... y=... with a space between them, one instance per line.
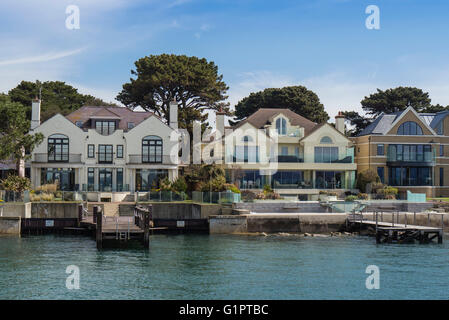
x=121 y=229
x=389 y=232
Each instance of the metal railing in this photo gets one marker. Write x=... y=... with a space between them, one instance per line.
x=145 y=159
x=64 y=158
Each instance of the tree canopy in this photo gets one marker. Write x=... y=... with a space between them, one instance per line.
x=389 y=101
x=56 y=96
x=193 y=82
x=14 y=133
x=296 y=98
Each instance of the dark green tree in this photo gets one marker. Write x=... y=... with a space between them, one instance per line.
x=357 y=122
x=57 y=97
x=193 y=82
x=389 y=101
x=396 y=99
x=14 y=134
x=296 y=98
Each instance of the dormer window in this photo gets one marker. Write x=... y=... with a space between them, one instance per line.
x=281 y=126
x=105 y=127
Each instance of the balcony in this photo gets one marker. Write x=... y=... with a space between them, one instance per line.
x=65 y=158
x=410 y=156
x=140 y=159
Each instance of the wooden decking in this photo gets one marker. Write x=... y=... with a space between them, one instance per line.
x=388 y=232
x=119 y=228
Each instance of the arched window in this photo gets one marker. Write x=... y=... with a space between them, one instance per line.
x=409 y=128
x=326 y=140
x=247 y=139
x=58 y=148
x=152 y=149
x=281 y=126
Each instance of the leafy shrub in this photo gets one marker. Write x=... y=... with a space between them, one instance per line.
x=248 y=196
x=267 y=188
x=332 y=194
x=48 y=188
x=165 y=184
x=232 y=187
x=351 y=198
x=362 y=196
x=15 y=183
x=366 y=177
x=179 y=185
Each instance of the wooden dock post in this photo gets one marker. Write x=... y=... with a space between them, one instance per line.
x=99 y=234
x=146 y=230
x=80 y=214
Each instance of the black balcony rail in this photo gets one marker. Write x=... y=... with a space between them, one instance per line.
x=62 y=158
x=152 y=159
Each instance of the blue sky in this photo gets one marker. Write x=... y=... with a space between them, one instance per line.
x=322 y=44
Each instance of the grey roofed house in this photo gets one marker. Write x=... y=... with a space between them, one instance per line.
x=384 y=122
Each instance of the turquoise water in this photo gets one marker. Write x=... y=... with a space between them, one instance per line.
x=222 y=267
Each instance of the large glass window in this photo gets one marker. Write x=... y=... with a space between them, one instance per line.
x=410 y=152
x=326 y=154
x=149 y=179
x=281 y=126
x=246 y=154
x=410 y=176
x=119 y=179
x=410 y=128
x=105 y=127
x=105 y=152
x=329 y=180
x=90 y=179
x=65 y=178
x=287 y=179
x=252 y=179
x=58 y=148
x=152 y=149
x=105 y=179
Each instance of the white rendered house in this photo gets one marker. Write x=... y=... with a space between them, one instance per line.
x=105 y=149
x=293 y=155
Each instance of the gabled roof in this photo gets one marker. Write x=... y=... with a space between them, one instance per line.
x=264 y=116
x=124 y=115
x=385 y=122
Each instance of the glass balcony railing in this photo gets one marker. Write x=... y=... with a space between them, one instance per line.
x=411 y=153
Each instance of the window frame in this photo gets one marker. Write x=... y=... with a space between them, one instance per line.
x=106 y=154
x=119 y=155
x=89 y=154
x=58 y=146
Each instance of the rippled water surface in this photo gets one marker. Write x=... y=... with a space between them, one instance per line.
x=222 y=267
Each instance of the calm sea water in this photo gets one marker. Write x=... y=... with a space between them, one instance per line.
x=222 y=267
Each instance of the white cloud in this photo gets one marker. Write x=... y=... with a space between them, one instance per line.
x=41 y=58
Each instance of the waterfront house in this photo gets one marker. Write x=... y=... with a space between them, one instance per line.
x=409 y=150
x=277 y=147
x=105 y=149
